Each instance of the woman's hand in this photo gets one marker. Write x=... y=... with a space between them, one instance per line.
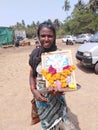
x=55 y=91
x=39 y=95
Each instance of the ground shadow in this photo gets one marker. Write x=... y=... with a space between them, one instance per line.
x=85 y=69
x=73 y=118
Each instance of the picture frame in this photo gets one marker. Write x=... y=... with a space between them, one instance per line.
x=58 y=59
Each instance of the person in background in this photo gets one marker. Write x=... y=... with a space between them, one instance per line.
x=50 y=103
x=37 y=43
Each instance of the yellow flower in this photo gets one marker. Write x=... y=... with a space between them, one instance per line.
x=72 y=86
x=51 y=81
x=63 y=81
x=45 y=72
x=48 y=76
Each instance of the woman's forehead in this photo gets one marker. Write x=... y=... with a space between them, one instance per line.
x=46 y=30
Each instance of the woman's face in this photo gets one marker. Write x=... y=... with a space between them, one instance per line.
x=46 y=37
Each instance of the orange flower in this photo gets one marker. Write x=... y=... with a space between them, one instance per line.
x=73 y=67
x=57 y=76
x=64 y=85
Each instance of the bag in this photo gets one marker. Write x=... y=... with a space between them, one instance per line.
x=34 y=114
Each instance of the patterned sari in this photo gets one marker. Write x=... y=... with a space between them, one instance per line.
x=52 y=113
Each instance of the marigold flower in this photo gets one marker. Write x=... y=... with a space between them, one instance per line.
x=73 y=67
x=68 y=72
x=59 y=79
x=63 y=80
x=64 y=85
x=48 y=76
x=63 y=77
x=44 y=72
x=57 y=76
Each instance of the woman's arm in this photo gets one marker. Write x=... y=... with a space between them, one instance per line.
x=32 y=81
x=37 y=94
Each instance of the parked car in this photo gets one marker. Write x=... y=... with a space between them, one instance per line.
x=69 y=39
x=87 y=53
x=83 y=38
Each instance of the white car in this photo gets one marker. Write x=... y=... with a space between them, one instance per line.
x=83 y=38
x=87 y=53
x=69 y=39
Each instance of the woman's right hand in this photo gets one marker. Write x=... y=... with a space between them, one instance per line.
x=54 y=91
x=39 y=95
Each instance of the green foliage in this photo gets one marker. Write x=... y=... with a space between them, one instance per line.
x=83 y=19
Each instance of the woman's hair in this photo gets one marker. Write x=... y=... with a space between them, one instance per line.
x=35 y=57
x=49 y=25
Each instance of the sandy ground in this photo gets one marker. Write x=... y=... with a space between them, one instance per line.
x=15 y=95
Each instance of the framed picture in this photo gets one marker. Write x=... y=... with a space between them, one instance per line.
x=59 y=60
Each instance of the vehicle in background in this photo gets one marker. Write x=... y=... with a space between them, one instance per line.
x=87 y=53
x=83 y=38
x=69 y=39
x=20 y=33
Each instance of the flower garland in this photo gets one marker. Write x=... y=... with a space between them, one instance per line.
x=59 y=79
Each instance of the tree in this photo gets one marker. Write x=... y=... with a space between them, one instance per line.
x=80 y=5
x=92 y=6
x=23 y=22
x=66 y=7
x=82 y=20
x=57 y=24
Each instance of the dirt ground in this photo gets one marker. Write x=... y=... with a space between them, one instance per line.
x=15 y=95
